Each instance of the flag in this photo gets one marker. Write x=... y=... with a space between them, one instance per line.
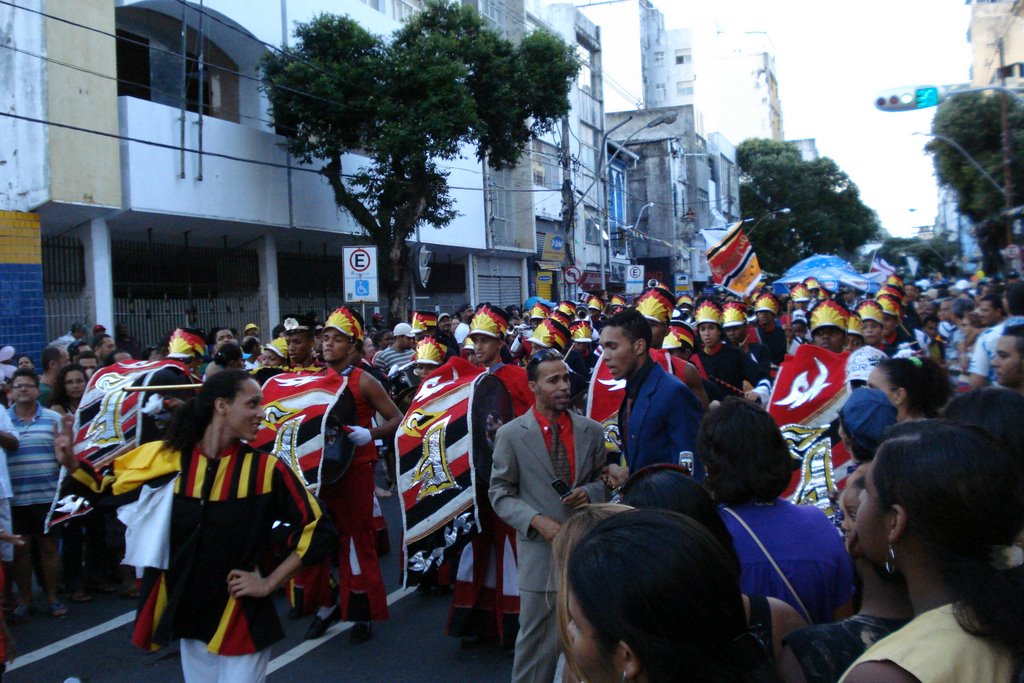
x=880 y=265
x=733 y=262
x=809 y=391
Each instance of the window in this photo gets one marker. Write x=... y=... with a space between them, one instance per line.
x=585 y=79
x=544 y=159
x=659 y=59
x=684 y=88
x=683 y=57
x=132 y=66
x=659 y=92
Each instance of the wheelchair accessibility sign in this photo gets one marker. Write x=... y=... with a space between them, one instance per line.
x=360 y=270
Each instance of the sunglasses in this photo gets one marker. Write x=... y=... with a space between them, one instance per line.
x=545 y=355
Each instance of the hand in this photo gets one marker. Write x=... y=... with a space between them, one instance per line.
x=359 y=436
x=154 y=404
x=615 y=475
x=753 y=397
x=13 y=539
x=546 y=527
x=172 y=404
x=576 y=498
x=248 y=585
x=63 y=440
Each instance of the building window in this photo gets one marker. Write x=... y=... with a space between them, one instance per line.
x=659 y=59
x=659 y=92
x=544 y=159
x=683 y=57
x=684 y=88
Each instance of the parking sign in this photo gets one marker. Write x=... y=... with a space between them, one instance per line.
x=360 y=270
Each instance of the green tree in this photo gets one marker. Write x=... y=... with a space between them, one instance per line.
x=974 y=122
x=935 y=255
x=407 y=104
x=826 y=213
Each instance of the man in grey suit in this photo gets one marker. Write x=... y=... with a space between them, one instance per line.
x=531 y=453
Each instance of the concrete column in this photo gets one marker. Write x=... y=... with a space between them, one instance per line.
x=471 y=278
x=99 y=273
x=267 y=250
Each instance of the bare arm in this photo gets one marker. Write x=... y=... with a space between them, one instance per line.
x=879 y=672
x=381 y=403
x=8 y=441
x=250 y=584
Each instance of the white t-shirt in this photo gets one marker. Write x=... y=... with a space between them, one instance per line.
x=985 y=351
x=461 y=332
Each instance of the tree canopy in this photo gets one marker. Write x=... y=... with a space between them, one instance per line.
x=408 y=103
x=934 y=255
x=974 y=122
x=826 y=214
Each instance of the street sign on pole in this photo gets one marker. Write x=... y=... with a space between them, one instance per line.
x=572 y=275
x=634 y=279
x=360 y=268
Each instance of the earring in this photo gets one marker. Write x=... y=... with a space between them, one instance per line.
x=890 y=561
x=623 y=677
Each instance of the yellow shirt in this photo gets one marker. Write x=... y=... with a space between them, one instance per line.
x=935 y=649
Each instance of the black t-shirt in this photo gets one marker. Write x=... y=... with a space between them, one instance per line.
x=826 y=651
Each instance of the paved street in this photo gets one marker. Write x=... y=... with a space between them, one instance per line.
x=93 y=643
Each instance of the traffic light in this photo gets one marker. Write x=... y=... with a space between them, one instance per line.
x=909 y=98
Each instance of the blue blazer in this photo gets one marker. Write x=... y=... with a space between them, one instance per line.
x=663 y=422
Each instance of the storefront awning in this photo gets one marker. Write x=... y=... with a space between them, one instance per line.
x=549 y=265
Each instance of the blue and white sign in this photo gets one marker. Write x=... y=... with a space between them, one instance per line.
x=360 y=268
x=634 y=279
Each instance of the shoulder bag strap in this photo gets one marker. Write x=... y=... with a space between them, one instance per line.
x=778 y=570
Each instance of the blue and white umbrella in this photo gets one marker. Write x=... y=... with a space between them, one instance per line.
x=831 y=271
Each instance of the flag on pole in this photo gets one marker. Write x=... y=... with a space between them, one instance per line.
x=880 y=265
x=733 y=262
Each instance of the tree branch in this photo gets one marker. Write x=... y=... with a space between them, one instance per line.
x=344 y=199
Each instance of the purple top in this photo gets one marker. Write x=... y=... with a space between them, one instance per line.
x=805 y=545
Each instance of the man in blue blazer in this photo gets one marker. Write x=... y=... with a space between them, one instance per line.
x=659 y=415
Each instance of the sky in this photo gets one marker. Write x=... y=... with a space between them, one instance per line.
x=832 y=60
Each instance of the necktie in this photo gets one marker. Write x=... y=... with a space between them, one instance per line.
x=559 y=457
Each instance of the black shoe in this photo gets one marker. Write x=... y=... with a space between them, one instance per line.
x=473 y=642
x=361 y=632
x=319 y=626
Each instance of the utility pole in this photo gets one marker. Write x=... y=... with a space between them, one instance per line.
x=1007 y=153
x=568 y=201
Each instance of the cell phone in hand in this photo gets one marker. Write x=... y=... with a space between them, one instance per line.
x=561 y=488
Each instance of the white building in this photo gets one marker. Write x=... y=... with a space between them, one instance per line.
x=196 y=215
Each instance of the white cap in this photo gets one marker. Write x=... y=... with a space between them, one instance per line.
x=404 y=330
x=962 y=285
x=861 y=362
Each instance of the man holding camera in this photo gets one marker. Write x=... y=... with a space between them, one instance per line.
x=547 y=463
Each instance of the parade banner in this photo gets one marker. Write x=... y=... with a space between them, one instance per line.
x=604 y=396
x=733 y=262
x=110 y=421
x=444 y=448
x=303 y=422
x=809 y=391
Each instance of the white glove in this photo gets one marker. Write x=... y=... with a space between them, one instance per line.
x=154 y=404
x=359 y=436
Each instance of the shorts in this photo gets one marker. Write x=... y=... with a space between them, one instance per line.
x=30 y=520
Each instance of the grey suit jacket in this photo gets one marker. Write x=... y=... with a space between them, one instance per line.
x=521 y=487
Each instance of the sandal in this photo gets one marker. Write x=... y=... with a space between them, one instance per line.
x=58 y=610
x=81 y=596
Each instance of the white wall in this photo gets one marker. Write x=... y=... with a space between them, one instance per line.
x=620 y=42
x=24 y=176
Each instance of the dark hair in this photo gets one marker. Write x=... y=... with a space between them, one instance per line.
x=962 y=493
x=59 y=396
x=662 y=584
x=25 y=372
x=995 y=300
x=211 y=339
x=997 y=410
x=192 y=418
x=929 y=319
x=925 y=381
x=24 y=355
x=962 y=307
x=633 y=324
x=1015 y=298
x=251 y=345
x=51 y=354
x=74 y=347
x=542 y=356
x=97 y=339
x=670 y=487
x=86 y=353
x=743 y=452
x=276 y=331
x=228 y=353
x=1017 y=333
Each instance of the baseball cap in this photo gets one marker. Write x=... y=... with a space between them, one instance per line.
x=404 y=330
x=98 y=329
x=251 y=326
x=866 y=416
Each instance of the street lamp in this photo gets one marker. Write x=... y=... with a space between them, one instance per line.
x=604 y=164
x=973 y=162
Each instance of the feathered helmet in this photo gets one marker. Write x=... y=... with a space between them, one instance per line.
x=551 y=334
x=582 y=331
x=890 y=305
x=855 y=326
x=707 y=312
x=870 y=310
x=812 y=283
x=828 y=314
x=800 y=293
x=766 y=301
x=679 y=336
x=424 y=321
x=655 y=304
x=186 y=344
x=734 y=314
x=347 y=321
x=893 y=291
x=562 y=317
x=684 y=301
x=538 y=311
x=567 y=307
x=615 y=304
x=652 y=283
x=489 y=320
x=894 y=280
x=429 y=351
x=594 y=303
x=278 y=347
